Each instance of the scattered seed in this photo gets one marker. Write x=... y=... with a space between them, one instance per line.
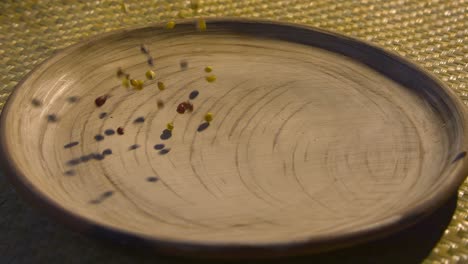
x=164 y=151
x=201 y=24
x=73 y=99
x=120 y=130
x=170 y=126
x=181 y=108
x=99 y=137
x=36 y=102
x=140 y=119
x=152 y=179
x=102 y=115
x=183 y=64
x=101 y=100
x=208 y=69
x=71 y=144
x=134 y=146
x=144 y=49
x=193 y=94
x=70 y=173
x=160 y=104
x=209 y=117
x=125 y=82
x=52 y=118
x=107 y=152
x=150 y=61
x=159 y=146
x=210 y=78
x=161 y=86
x=107 y=194
x=167 y=133
x=73 y=162
x=98 y=156
x=170 y=25
x=203 y=126
x=109 y=132
x=137 y=84
x=120 y=72
x=86 y=158
x=150 y=75
x=189 y=107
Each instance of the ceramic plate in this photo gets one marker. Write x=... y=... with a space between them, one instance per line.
x=316 y=141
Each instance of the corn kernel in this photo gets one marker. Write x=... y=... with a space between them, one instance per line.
x=170 y=25
x=210 y=78
x=150 y=75
x=201 y=24
x=137 y=84
x=170 y=126
x=209 y=117
x=125 y=82
x=208 y=69
x=161 y=86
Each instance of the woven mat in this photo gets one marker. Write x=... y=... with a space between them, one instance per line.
x=433 y=34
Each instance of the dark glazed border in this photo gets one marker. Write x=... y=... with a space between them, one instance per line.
x=389 y=64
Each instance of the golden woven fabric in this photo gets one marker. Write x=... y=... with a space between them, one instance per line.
x=433 y=34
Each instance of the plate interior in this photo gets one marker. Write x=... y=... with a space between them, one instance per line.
x=304 y=142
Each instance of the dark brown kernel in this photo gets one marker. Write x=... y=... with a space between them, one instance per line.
x=144 y=49
x=160 y=104
x=101 y=100
x=120 y=72
x=150 y=61
x=183 y=64
x=189 y=106
x=52 y=118
x=181 y=108
x=120 y=130
x=36 y=102
x=102 y=115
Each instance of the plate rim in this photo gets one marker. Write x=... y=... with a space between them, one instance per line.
x=314 y=244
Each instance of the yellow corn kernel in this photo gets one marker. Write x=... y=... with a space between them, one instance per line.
x=208 y=69
x=161 y=86
x=125 y=82
x=170 y=126
x=137 y=84
x=210 y=78
x=201 y=25
x=170 y=25
x=150 y=75
x=209 y=117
